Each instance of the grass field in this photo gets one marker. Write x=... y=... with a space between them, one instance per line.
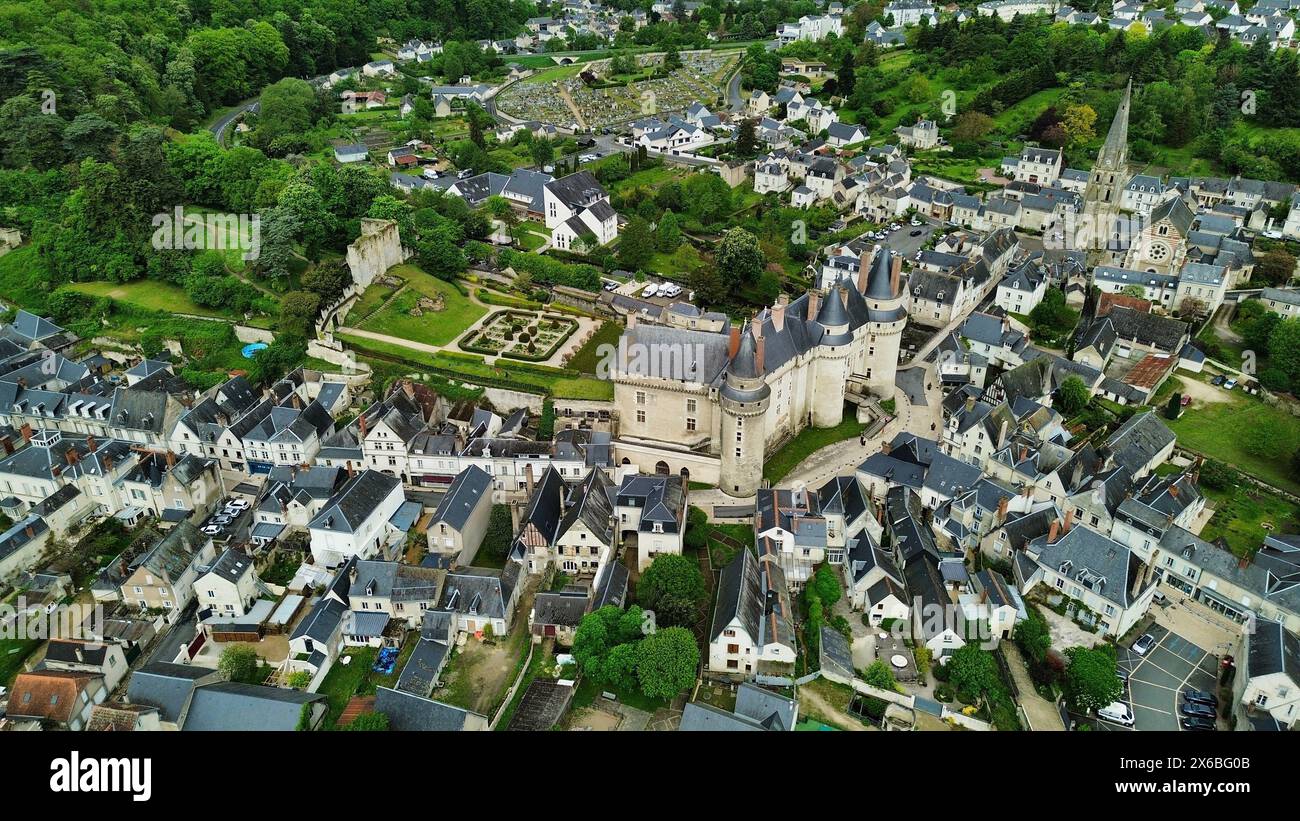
x=433 y=328
x=806 y=443
x=1215 y=430
x=149 y=294
x=1244 y=515
x=586 y=359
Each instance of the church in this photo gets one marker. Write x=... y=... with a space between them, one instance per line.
x=736 y=395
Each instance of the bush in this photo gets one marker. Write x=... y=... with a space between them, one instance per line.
x=943 y=693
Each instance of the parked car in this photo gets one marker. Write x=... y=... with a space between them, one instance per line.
x=1230 y=384
x=1145 y=643
x=1218 y=380
x=1159 y=598
x=611 y=286
x=1198 y=723
x=1119 y=713
x=1201 y=697
x=237 y=504
x=916 y=232
x=1123 y=678
x=1191 y=708
x=211 y=530
x=650 y=290
x=221 y=519
x=465 y=174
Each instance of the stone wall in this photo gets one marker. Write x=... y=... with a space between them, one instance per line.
x=506 y=400
x=246 y=333
x=377 y=249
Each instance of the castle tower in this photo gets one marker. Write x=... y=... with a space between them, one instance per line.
x=884 y=291
x=744 y=398
x=831 y=362
x=1105 y=189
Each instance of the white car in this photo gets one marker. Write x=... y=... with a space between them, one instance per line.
x=237 y=504
x=650 y=290
x=211 y=530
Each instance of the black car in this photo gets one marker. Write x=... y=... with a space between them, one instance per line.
x=1191 y=708
x=1198 y=723
x=1201 y=697
x=1123 y=678
x=1218 y=380
x=918 y=232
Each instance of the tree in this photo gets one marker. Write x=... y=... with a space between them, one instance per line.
x=1284 y=347
x=369 y=722
x=1274 y=267
x=240 y=663
x=740 y=259
x=971 y=126
x=1090 y=680
x=286 y=108
x=672 y=587
x=668 y=236
x=1033 y=636
x=826 y=585
x=635 y=245
x=1073 y=395
x=298 y=314
x=328 y=280
x=542 y=151
x=669 y=659
x=1077 y=122
x=746 y=139
x=879 y=675
x=1174 y=408
x=973 y=671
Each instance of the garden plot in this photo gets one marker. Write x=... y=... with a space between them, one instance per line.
x=520 y=335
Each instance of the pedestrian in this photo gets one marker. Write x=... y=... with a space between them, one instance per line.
x=931 y=426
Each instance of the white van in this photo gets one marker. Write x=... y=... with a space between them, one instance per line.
x=650 y=290
x=1119 y=712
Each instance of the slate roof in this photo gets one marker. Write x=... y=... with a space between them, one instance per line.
x=1091 y=560
x=1138 y=440
x=166 y=686
x=463 y=497
x=348 y=509
x=408 y=712
x=228 y=705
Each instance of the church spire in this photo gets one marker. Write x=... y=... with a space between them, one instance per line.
x=1114 y=153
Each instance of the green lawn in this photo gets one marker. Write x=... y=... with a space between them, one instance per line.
x=807 y=443
x=1214 y=429
x=432 y=328
x=149 y=294
x=1240 y=516
x=589 y=693
x=587 y=357
x=343 y=680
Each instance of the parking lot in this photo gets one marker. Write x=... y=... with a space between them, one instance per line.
x=1157 y=678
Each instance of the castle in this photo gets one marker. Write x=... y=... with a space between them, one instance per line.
x=711 y=405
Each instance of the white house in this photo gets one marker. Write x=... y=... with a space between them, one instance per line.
x=354 y=522
x=230 y=586
x=577 y=208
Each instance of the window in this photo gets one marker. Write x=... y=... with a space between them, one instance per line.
x=640 y=416
x=690 y=423
x=690 y=405
x=640 y=397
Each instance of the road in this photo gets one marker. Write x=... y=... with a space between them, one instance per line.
x=218 y=128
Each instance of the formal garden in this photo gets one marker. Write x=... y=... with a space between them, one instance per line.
x=520 y=335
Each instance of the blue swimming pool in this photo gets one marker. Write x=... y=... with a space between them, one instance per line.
x=252 y=348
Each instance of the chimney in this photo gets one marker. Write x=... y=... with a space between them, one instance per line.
x=1243 y=562
x=7 y=444
x=408 y=387
x=970 y=404
x=758 y=353
x=91 y=444
x=880 y=514
x=1053 y=531
x=756 y=327
x=81 y=656
x=631 y=320
x=361 y=420
x=1002 y=509
x=1024 y=451
x=1069 y=520
x=108 y=464
x=529 y=480
x=297 y=402
x=733 y=344
x=863 y=269
x=71 y=455
x=885 y=447
x=895 y=273
x=778 y=312
x=31 y=532
x=814 y=302
x=171 y=460
x=26 y=431
x=351 y=470
x=1002 y=433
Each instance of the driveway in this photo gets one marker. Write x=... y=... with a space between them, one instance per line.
x=1157 y=679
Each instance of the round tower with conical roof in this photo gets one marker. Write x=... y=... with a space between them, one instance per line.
x=831 y=364
x=744 y=398
x=881 y=283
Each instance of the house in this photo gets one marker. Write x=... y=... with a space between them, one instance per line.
x=409 y=712
x=22 y=545
x=63 y=699
x=482 y=600
x=423 y=668
x=921 y=136
x=1282 y=302
x=355 y=521
x=1106 y=577
x=121 y=718
x=351 y=152
x=379 y=68
x=1140 y=444
x=1268 y=682
x=577 y=210
x=1022 y=288
x=461 y=520
x=586 y=536
x=652 y=509
x=230 y=586
x=872 y=582
x=558 y=614
x=163 y=577
x=756 y=709
x=104 y=659
x=401 y=591
x=752 y=631
x=168 y=688
x=839 y=135
x=229 y=705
